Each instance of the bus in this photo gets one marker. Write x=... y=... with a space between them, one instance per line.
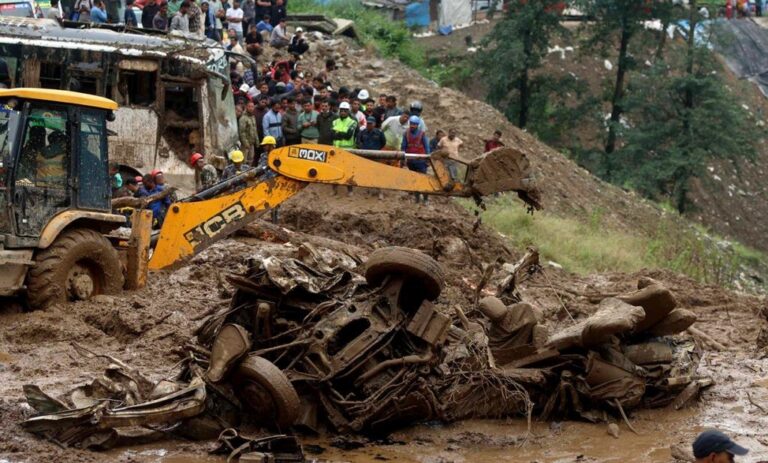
x=173 y=91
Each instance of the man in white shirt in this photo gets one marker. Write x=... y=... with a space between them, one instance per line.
x=235 y=18
x=279 y=36
x=394 y=127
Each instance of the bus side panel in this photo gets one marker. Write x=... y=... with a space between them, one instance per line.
x=136 y=140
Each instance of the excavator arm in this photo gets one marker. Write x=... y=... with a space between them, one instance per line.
x=197 y=222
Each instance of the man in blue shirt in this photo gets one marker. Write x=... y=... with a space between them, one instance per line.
x=149 y=188
x=264 y=25
x=272 y=123
x=98 y=15
x=130 y=17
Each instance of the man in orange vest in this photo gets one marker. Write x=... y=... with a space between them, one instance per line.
x=415 y=141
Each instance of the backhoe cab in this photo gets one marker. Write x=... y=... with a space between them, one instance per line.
x=55 y=194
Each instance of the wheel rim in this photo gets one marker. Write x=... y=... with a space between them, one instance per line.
x=82 y=282
x=258 y=398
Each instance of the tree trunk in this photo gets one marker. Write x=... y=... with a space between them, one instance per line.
x=524 y=85
x=618 y=91
x=690 y=58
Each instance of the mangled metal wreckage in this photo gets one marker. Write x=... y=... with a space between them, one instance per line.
x=309 y=343
x=173 y=90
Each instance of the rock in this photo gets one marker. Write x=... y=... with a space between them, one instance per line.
x=613 y=430
x=378 y=64
x=103 y=299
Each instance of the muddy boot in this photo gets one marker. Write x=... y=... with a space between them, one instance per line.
x=335 y=190
x=349 y=191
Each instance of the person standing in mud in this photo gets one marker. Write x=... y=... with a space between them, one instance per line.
x=415 y=141
x=237 y=167
x=249 y=131
x=494 y=142
x=713 y=446
x=344 y=129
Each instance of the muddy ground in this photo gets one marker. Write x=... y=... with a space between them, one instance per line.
x=144 y=328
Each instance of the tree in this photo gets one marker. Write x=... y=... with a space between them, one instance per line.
x=514 y=49
x=616 y=20
x=681 y=117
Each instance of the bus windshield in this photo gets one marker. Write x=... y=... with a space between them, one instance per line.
x=17 y=9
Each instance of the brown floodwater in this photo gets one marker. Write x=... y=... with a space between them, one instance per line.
x=487 y=441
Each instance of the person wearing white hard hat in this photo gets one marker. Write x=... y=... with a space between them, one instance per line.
x=298 y=45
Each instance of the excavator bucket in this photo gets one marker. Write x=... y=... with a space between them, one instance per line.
x=504 y=169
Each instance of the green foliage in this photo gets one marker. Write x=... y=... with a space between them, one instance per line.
x=515 y=48
x=391 y=38
x=589 y=246
x=558 y=105
x=671 y=138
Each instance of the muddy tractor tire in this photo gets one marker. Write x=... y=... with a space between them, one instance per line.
x=265 y=389
x=81 y=263
x=417 y=267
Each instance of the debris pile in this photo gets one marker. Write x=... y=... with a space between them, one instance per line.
x=311 y=344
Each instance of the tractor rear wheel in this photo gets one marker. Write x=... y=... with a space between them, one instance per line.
x=81 y=263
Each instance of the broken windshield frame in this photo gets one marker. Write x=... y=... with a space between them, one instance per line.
x=9 y=129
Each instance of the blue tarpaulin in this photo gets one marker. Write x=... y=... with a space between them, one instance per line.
x=417 y=14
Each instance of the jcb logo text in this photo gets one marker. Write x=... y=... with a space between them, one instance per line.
x=213 y=226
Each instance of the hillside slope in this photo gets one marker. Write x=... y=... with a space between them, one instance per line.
x=567 y=188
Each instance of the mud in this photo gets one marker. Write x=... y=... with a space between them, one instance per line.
x=145 y=327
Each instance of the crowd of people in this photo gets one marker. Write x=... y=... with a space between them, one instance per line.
x=279 y=102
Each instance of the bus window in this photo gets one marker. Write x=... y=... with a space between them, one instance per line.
x=8 y=68
x=137 y=88
x=51 y=75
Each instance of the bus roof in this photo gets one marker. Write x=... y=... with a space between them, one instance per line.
x=59 y=96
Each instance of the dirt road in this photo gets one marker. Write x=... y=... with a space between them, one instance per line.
x=144 y=328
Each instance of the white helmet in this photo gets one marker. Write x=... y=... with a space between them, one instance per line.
x=344 y=105
x=363 y=95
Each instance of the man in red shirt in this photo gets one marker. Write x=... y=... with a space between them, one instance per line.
x=494 y=142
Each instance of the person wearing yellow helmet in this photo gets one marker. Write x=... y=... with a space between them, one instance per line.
x=269 y=143
x=238 y=166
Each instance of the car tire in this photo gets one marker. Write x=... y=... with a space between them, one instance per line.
x=265 y=389
x=417 y=267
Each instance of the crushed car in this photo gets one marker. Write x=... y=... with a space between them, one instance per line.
x=320 y=341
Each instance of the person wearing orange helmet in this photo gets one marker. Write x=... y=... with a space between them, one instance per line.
x=206 y=175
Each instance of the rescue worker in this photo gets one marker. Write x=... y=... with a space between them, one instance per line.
x=713 y=446
x=344 y=129
x=149 y=188
x=128 y=190
x=206 y=174
x=237 y=167
x=117 y=179
x=249 y=130
x=52 y=161
x=415 y=110
x=415 y=141
x=267 y=145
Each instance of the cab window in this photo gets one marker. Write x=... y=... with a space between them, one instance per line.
x=44 y=157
